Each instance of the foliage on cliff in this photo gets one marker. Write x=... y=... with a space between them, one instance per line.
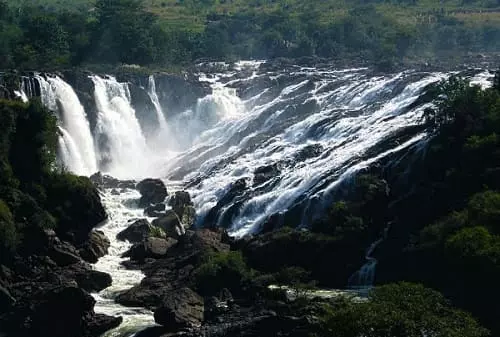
x=34 y=195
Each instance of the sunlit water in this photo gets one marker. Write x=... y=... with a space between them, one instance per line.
x=120 y=210
x=248 y=121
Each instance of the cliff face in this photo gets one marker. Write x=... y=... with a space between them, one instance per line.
x=176 y=93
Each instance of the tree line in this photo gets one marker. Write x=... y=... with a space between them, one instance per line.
x=124 y=32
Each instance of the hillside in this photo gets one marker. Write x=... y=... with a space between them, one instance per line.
x=169 y=33
x=192 y=13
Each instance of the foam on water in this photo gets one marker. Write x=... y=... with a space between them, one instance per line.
x=120 y=214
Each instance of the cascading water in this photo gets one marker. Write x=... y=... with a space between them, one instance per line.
x=134 y=319
x=317 y=128
x=311 y=128
x=162 y=122
x=77 y=141
x=123 y=151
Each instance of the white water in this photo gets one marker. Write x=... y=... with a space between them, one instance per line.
x=78 y=143
x=119 y=215
x=156 y=102
x=349 y=114
x=349 y=120
x=123 y=149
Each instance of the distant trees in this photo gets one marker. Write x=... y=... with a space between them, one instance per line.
x=123 y=31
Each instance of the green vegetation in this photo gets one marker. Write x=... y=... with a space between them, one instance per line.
x=399 y=310
x=167 y=33
x=452 y=214
x=34 y=195
x=223 y=270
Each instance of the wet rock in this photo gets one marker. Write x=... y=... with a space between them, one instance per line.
x=235 y=191
x=181 y=308
x=310 y=151
x=150 y=248
x=188 y=216
x=179 y=201
x=95 y=247
x=136 y=232
x=153 y=191
x=103 y=181
x=101 y=323
x=265 y=173
x=155 y=211
x=171 y=224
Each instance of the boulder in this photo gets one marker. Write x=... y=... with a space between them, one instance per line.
x=95 y=247
x=101 y=323
x=180 y=200
x=92 y=280
x=181 y=308
x=103 y=181
x=150 y=248
x=155 y=211
x=153 y=191
x=170 y=224
x=59 y=312
x=64 y=254
x=136 y=232
x=188 y=218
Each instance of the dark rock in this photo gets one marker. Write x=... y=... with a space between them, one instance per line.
x=155 y=211
x=180 y=200
x=189 y=216
x=142 y=104
x=150 y=248
x=100 y=323
x=95 y=247
x=175 y=269
x=92 y=280
x=153 y=191
x=52 y=311
x=181 y=308
x=235 y=191
x=310 y=151
x=183 y=206
x=136 y=232
x=64 y=254
x=330 y=261
x=6 y=300
x=114 y=191
x=104 y=181
x=170 y=224
x=265 y=173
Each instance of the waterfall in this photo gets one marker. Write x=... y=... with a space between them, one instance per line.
x=364 y=278
x=77 y=142
x=123 y=151
x=154 y=98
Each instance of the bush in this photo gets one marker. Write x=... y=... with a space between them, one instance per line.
x=75 y=203
x=222 y=270
x=399 y=310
